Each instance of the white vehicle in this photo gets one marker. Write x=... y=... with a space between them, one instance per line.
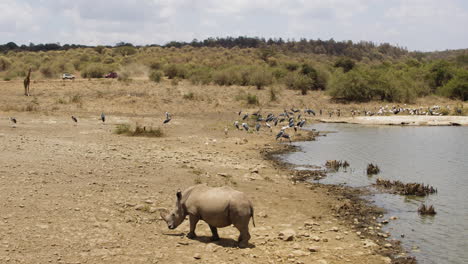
x=68 y=76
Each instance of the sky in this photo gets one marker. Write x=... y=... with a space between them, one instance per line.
x=424 y=25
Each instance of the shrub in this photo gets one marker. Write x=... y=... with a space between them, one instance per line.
x=273 y=96
x=457 y=87
x=5 y=63
x=94 y=70
x=260 y=78
x=354 y=85
x=200 y=75
x=125 y=129
x=346 y=64
x=299 y=82
x=252 y=99
x=292 y=66
x=47 y=71
x=189 y=96
x=227 y=77
x=156 y=65
x=303 y=83
x=156 y=76
x=175 y=71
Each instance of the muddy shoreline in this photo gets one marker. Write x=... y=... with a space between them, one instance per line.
x=360 y=214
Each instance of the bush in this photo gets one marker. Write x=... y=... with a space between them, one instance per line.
x=273 y=96
x=301 y=82
x=292 y=66
x=47 y=71
x=5 y=63
x=156 y=76
x=227 y=77
x=189 y=96
x=252 y=99
x=94 y=70
x=200 y=75
x=456 y=88
x=354 y=85
x=260 y=78
x=156 y=65
x=346 y=64
x=175 y=71
x=125 y=129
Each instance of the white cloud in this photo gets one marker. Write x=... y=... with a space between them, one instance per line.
x=403 y=22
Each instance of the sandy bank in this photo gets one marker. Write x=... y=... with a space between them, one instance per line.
x=402 y=120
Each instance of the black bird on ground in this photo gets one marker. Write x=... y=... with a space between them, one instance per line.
x=245 y=116
x=245 y=126
x=12 y=119
x=310 y=111
x=280 y=134
x=74 y=119
x=257 y=127
x=103 y=117
x=168 y=118
x=284 y=135
x=236 y=124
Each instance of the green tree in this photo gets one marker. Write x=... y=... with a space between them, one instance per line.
x=346 y=64
x=457 y=87
x=439 y=74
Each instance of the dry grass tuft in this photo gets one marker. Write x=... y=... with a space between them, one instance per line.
x=139 y=131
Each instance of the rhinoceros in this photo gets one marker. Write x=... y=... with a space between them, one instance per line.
x=218 y=207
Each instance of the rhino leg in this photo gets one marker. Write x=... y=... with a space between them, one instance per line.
x=193 y=224
x=244 y=235
x=215 y=236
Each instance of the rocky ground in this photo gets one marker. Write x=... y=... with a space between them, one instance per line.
x=79 y=193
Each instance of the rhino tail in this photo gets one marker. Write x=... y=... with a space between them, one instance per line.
x=252 y=215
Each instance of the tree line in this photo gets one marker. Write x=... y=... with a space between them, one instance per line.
x=329 y=47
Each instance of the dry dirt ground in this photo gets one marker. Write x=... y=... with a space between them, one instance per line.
x=79 y=193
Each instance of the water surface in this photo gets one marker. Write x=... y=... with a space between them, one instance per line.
x=437 y=156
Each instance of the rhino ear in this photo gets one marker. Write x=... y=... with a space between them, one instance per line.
x=179 y=195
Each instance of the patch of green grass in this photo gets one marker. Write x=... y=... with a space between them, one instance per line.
x=189 y=96
x=75 y=99
x=139 y=131
x=252 y=99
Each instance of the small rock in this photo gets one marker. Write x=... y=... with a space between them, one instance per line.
x=139 y=207
x=325 y=239
x=338 y=237
x=197 y=256
x=394 y=218
x=316 y=238
x=287 y=234
x=335 y=229
x=262 y=214
x=299 y=253
x=313 y=248
x=388 y=245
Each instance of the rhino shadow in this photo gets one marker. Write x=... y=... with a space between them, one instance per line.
x=223 y=242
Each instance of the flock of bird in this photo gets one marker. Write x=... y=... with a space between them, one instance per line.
x=14 y=121
x=292 y=118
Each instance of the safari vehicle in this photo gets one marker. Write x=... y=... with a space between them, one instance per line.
x=68 y=76
x=111 y=75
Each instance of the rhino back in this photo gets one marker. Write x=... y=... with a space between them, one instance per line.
x=217 y=206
